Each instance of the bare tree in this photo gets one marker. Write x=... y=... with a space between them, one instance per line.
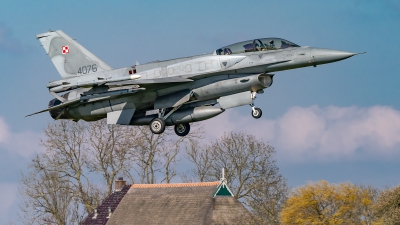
x=149 y=146
x=47 y=197
x=201 y=157
x=250 y=171
x=268 y=198
x=246 y=160
x=66 y=154
x=158 y=153
x=57 y=189
x=387 y=206
x=173 y=147
x=75 y=152
x=111 y=150
x=168 y=157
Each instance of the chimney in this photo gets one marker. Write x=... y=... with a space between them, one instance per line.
x=119 y=183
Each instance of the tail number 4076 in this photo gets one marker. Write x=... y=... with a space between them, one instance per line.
x=87 y=69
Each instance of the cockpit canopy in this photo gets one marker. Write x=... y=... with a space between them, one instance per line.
x=264 y=44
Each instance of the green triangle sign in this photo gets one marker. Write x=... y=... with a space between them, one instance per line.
x=222 y=190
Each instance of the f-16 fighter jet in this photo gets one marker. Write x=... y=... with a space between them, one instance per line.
x=171 y=92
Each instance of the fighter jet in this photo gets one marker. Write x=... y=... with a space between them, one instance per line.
x=173 y=92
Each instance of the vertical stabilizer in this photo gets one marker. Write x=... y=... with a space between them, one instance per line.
x=68 y=56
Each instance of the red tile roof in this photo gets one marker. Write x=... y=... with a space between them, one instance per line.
x=199 y=184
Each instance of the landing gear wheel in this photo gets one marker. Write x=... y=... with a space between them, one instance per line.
x=256 y=113
x=157 y=126
x=182 y=129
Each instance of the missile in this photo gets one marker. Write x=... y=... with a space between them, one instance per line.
x=110 y=94
x=60 y=86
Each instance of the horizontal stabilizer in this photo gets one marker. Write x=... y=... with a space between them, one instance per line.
x=67 y=103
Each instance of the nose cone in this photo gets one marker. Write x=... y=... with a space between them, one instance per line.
x=322 y=56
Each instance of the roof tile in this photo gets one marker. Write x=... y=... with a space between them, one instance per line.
x=198 y=184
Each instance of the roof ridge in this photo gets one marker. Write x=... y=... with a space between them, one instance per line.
x=196 y=184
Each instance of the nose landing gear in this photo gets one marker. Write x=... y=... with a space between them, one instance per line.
x=255 y=112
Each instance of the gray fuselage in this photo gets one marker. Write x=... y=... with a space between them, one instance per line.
x=211 y=76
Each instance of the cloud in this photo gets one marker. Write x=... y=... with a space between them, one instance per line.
x=314 y=133
x=22 y=143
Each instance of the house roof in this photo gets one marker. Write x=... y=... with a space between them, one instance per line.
x=185 y=203
x=111 y=201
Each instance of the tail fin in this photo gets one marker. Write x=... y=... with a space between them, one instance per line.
x=68 y=56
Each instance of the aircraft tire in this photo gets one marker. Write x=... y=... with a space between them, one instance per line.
x=157 y=126
x=182 y=129
x=257 y=113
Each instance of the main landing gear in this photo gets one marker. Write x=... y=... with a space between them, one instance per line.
x=157 y=125
x=182 y=129
x=255 y=112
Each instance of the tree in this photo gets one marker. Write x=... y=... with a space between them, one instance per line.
x=201 y=157
x=67 y=155
x=47 y=197
x=60 y=186
x=267 y=200
x=112 y=149
x=250 y=172
x=387 y=207
x=324 y=203
x=156 y=153
x=73 y=151
x=147 y=158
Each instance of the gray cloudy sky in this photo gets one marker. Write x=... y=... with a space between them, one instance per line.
x=338 y=122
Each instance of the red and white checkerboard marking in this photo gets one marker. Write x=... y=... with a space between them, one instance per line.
x=65 y=49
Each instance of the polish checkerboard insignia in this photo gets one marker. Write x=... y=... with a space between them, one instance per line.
x=65 y=49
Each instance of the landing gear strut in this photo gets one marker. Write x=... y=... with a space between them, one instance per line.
x=182 y=129
x=255 y=112
x=157 y=125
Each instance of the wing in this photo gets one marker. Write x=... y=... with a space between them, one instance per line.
x=116 y=94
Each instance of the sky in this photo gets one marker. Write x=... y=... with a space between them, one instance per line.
x=338 y=122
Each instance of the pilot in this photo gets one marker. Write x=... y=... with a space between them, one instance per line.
x=272 y=45
x=227 y=51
